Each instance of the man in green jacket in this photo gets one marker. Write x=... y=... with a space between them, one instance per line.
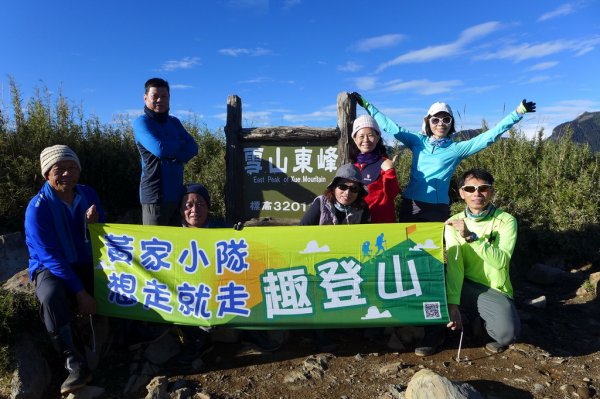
x=479 y=243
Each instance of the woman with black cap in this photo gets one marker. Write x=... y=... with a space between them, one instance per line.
x=343 y=202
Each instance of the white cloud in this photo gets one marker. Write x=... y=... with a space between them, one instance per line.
x=550 y=116
x=537 y=79
x=377 y=42
x=481 y=89
x=442 y=51
x=374 y=313
x=365 y=82
x=421 y=86
x=350 y=66
x=184 y=63
x=255 y=80
x=256 y=118
x=525 y=51
x=543 y=65
x=564 y=9
x=253 y=52
x=328 y=113
x=313 y=247
x=186 y=114
x=181 y=87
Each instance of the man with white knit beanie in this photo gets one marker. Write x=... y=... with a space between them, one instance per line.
x=60 y=261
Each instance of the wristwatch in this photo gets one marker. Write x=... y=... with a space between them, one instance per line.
x=471 y=237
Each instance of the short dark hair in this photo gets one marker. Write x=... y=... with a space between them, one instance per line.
x=156 y=82
x=477 y=173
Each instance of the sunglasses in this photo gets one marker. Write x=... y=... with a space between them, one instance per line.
x=446 y=120
x=344 y=187
x=482 y=188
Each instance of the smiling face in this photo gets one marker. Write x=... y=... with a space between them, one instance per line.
x=157 y=99
x=194 y=210
x=440 y=128
x=346 y=191
x=366 y=139
x=478 y=200
x=63 y=177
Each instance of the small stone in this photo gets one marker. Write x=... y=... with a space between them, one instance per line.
x=583 y=392
x=539 y=302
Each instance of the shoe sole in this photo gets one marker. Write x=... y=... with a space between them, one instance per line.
x=75 y=388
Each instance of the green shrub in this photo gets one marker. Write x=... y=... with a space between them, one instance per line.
x=18 y=312
x=549 y=186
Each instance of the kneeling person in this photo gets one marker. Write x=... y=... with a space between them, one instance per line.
x=480 y=242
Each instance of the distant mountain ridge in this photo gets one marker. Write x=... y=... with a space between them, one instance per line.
x=585 y=128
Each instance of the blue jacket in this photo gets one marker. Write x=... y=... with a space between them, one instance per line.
x=46 y=241
x=432 y=166
x=164 y=149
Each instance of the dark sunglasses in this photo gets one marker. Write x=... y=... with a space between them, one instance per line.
x=482 y=188
x=344 y=187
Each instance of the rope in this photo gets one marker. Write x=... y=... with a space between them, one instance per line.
x=93 y=335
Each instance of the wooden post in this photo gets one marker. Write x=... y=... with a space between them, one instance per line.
x=346 y=113
x=233 y=159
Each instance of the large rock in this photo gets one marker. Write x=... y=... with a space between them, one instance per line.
x=426 y=384
x=13 y=255
x=20 y=282
x=32 y=374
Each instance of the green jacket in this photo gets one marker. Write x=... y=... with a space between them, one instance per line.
x=485 y=261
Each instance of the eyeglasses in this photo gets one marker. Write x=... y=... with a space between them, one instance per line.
x=446 y=120
x=344 y=187
x=482 y=188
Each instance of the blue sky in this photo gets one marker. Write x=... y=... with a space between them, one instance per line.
x=289 y=59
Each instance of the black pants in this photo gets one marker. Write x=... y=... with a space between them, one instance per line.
x=56 y=299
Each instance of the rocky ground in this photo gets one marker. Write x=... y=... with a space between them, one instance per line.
x=558 y=356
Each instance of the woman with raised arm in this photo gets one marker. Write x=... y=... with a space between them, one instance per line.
x=435 y=156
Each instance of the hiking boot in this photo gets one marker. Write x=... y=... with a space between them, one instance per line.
x=79 y=375
x=75 y=364
x=433 y=339
x=495 y=347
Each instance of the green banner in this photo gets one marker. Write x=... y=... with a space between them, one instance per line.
x=272 y=277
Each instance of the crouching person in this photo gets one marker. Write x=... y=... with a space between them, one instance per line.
x=480 y=242
x=60 y=260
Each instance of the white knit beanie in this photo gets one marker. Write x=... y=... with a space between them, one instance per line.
x=364 y=121
x=59 y=152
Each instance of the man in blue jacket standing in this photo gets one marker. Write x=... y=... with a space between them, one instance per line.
x=60 y=254
x=164 y=146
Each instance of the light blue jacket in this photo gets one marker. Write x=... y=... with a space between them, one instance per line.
x=432 y=166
